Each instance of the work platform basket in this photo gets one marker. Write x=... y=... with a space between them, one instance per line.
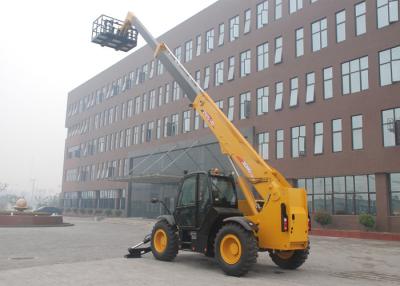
x=106 y=31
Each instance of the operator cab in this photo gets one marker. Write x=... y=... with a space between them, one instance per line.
x=204 y=200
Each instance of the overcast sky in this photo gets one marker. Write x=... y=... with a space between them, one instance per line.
x=45 y=52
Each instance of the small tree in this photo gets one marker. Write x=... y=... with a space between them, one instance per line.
x=367 y=220
x=323 y=218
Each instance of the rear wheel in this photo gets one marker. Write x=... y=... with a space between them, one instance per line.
x=164 y=241
x=235 y=249
x=290 y=259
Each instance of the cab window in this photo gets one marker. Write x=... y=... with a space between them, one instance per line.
x=188 y=192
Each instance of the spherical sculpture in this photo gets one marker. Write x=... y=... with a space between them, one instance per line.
x=21 y=204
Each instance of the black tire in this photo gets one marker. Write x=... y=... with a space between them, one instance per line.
x=291 y=262
x=172 y=243
x=248 y=255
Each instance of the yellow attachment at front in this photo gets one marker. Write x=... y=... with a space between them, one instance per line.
x=160 y=240
x=230 y=249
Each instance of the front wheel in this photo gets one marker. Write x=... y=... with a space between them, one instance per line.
x=235 y=249
x=164 y=241
x=290 y=259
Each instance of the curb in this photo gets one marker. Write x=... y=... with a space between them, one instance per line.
x=388 y=236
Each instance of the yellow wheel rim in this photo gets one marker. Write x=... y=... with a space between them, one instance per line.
x=285 y=254
x=160 y=240
x=230 y=249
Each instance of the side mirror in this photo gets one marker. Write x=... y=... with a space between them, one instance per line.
x=154 y=200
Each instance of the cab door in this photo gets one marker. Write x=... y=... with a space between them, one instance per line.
x=185 y=212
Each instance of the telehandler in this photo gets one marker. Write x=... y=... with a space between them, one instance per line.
x=208 y=217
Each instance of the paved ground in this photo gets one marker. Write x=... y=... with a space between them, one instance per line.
x=91 y=253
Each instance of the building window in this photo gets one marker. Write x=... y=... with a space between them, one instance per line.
x=294 y=92
x=361 y=22
x=136 y=135
x=206 y=77
x=388 y=12
x=197 y=77
x=221 y=29
x=188 y=51
x=278 y=95
x=357 y=131
x=245 y=102
x=245 y=63
x=152 y=100
x=263 y=145
x=278 y=9
x=137 y=104
x=167 y=93
x=279 y=143
x=175 y=91
x=231 y=108
x=160 y=68
x=151 y=72
x=158 y=127
x=174 y=124
x=167 y=127
x=262 y=14
x=337 y=135
x=262 y=57
x=178 y=53
x=231 y=68
x=328 y=84
x=149 y=131
x=219 y=73
x=198 y=45
x=220 y=104
x=355 y=75
x=391 y=127
x=145 y=102
x=233 y=28
x=196 y=120
x=144 y=132
x=295 y=5
x=247 y=21
x=262 y=100
x=160 y=96
x=395 y=194
x=341 y=195
x=310 y=90
x=129 y=109
x=278 y=50
x=299 y=42
x=319 y=30
x=341 y=26
x=389 y=62
x=298 y=141
x=209 y=40
x=318 y=138
x=186 y=122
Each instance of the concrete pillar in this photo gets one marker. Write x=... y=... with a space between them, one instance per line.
x=382 y=202
x=128 y=198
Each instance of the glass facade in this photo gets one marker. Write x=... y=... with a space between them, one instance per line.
x=346 y=195
x=395 y=194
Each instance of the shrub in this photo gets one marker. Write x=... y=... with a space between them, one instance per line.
x=108 y=212
x=82 y=211
x=75 y=210
x=323 y=218
x=118 y=213
x=90 y=211
x=67 y=210
x=98 y=211
x=367 y=220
